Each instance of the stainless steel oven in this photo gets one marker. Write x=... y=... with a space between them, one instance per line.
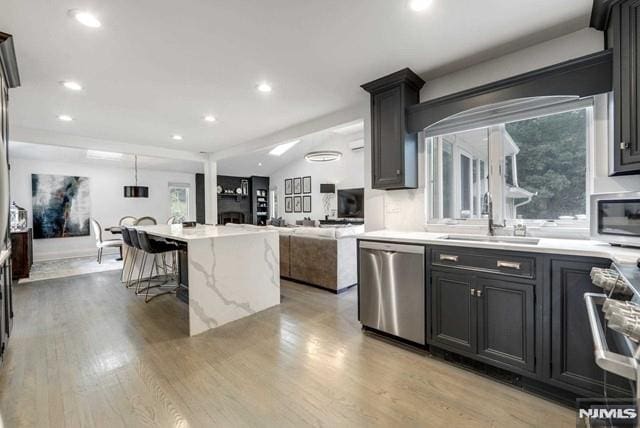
x=615 y=218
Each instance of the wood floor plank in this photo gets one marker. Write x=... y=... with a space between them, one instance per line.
x=85 y=351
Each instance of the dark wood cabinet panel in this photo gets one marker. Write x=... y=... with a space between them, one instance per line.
x=572 y=359
x=624 y=37
x=506 y=330
x=453 y=311
x=21 y=253
x=394 y=152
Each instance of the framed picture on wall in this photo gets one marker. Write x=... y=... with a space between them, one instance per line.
x=288 y=186
x=297 y=204
x=297 y=185
x=306 y=204
x=306 y=184
x=287 y=205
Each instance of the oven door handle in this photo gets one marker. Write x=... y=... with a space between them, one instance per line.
x=610 y=361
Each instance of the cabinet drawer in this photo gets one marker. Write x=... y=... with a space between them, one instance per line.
x=507 y=264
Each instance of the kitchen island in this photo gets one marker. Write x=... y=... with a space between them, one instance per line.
x=233 y=273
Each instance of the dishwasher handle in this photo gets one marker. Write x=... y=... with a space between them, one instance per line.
x=389 y=247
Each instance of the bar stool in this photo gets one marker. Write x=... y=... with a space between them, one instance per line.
x=156 y=248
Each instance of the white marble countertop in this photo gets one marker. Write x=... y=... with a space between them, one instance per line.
x=575 y=247
x=4 y=254
x=176 y=231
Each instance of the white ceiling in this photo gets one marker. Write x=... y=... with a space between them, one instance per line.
x=49 y=153
x=261 y=163
x=156 y=66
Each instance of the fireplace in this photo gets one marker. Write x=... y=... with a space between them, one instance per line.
x=230 y=217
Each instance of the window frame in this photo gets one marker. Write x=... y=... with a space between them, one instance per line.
x=180 y=186
x=496 y=161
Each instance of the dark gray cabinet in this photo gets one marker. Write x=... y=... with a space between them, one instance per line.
x=453 y=311
x=506 y=330
x=572 y=360
x=623 y=35
x=394 y=151
x=489 y=319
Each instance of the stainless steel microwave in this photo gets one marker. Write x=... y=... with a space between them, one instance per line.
x=615 y=218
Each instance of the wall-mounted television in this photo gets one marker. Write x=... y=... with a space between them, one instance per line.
x=351 y=203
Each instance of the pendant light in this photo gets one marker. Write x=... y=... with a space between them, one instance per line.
x=136 y=191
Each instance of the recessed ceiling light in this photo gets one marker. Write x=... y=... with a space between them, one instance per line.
x=282 y=148
x=264 y=87
x=70 y=84
x=419 y=5
x=176 y=137
x=87 y=19
x=209 y=118
x=65 y=118
x=259 y=163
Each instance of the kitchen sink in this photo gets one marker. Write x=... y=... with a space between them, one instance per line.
x=497 y=239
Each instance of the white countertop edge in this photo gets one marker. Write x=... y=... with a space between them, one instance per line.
x=200 y=232
x=569 y=247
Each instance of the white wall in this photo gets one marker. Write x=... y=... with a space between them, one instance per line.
x=346 y=173
x=405 y=209
x=107 y=202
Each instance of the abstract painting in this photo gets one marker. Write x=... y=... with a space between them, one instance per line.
x=61 y=206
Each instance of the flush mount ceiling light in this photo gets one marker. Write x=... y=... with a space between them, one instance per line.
x=176 y=137
x=264 y=87
x=86 y=18
x=283 y=148
x=71 y=85
x=65 y=118
x=97 y=154
x=323 y=156
x=209 y=118
x=136 y=191
x=419 y=5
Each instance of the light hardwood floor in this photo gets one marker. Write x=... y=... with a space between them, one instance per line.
x=87 y=352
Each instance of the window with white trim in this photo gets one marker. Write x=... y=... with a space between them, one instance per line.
x=531 y=162
x=179 y=200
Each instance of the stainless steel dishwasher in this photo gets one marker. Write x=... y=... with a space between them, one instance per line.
x=392 y=289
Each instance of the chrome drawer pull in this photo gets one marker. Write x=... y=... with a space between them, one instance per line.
x=446 y=257
x=473 y=291
x=510 y=265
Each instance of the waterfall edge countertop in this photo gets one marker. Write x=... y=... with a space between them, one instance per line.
x=574 y=247
x=233 y=273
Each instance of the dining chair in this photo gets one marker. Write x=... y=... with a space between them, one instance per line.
x=146 y=221
x=171 y=219
x=127 y=220
x=103 y=243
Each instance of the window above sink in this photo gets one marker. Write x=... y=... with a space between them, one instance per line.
x=533 y=160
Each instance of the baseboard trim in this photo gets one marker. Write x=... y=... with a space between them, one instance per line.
x=320 y=287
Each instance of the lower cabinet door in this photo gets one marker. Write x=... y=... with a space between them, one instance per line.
x=453 y=311
x=572 y=359
x=506 y=326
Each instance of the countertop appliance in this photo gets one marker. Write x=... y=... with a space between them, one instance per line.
x=615 y=218
x=392 y=289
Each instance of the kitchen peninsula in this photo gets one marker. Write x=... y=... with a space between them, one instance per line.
x=233 y=273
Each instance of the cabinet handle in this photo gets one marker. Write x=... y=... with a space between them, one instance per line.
x=448 y=258
x=510 y=265
x=479 y=293
x=473 y=291
x=625 y=146
x=397 y=172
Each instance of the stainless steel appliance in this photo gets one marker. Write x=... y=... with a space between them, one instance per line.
x=615 y=218
x=392 y=289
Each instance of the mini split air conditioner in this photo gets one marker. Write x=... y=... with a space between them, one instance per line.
x=356 y=145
